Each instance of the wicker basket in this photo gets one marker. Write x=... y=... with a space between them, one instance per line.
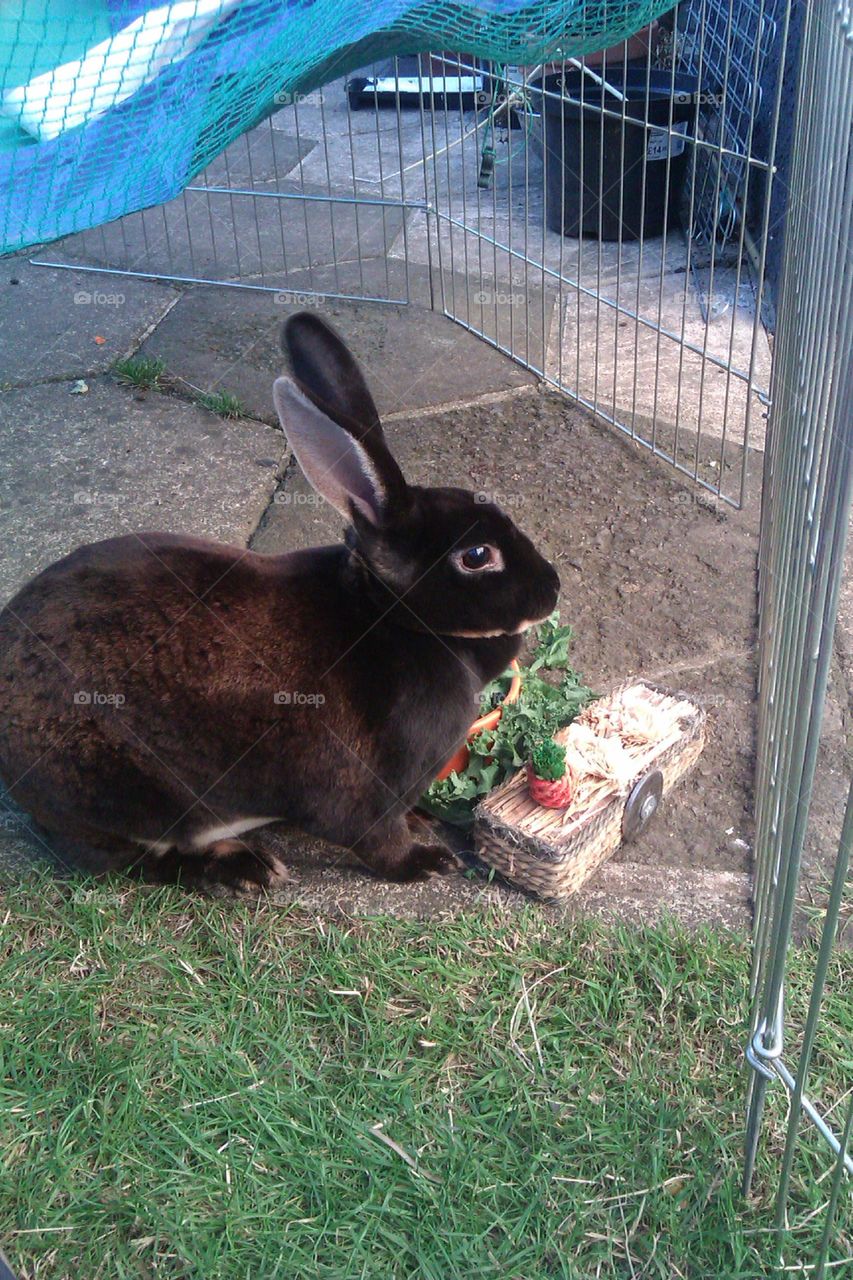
x=551 y=853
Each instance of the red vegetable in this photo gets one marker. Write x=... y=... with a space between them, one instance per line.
x=556 y=794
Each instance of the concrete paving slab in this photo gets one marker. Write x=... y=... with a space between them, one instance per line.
x=520 y=318
x=377 y=279
x=374 y=161
x=260 y=158
x=296 y=518
x=373 y=152
x=324 y=111
x=65 y=324
x=76 y=468
x=254 y=238
x=630 y=892
x=229 y=340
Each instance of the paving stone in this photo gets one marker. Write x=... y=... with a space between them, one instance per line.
x=229 y=340
x=260 y=158
x=76 y=468
x=54 y=320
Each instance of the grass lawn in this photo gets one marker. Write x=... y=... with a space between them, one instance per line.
x=195 y=1088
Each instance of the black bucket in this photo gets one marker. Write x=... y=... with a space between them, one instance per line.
x=611 y=184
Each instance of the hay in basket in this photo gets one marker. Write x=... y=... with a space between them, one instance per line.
x=625 y=752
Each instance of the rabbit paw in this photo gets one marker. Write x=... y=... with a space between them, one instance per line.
x=223 y=869
x=242 y=869
x=427 y=860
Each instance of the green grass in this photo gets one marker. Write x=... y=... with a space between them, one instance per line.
x=139 y=371
x=813 y=901
x=222 y=403
x=147 y=373
x=197 y=1089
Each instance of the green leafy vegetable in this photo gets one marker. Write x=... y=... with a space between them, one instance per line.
x=549 y=760
x=552 y=647
x=543 y=706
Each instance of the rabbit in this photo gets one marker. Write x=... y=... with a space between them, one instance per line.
x=161 y=696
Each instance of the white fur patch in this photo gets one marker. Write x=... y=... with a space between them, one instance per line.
x=228 y=831
x=491 y=635
x=158 y=847
x=224 y=831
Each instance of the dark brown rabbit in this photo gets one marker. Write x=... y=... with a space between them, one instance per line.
x=160 y=696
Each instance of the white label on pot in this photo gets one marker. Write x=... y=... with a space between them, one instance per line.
x=661 y=141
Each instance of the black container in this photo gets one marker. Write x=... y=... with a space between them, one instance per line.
x=612 y=179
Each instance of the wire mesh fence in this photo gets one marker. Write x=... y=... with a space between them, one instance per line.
x=282 y=208
x=606 y=221
x=806 y=510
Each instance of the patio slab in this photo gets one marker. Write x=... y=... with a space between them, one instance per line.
x=260 y=158
x=229 y=340
x=77 y=468
x=66 y=324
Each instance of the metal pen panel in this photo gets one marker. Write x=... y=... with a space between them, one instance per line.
x=647 y=319
x=655 y=322
x=806 y=505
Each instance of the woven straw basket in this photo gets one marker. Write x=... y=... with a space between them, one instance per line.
x=551 y=853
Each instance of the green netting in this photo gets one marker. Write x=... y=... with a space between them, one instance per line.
x=109 y=106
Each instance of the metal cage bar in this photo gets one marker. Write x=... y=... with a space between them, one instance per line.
x=808 y=488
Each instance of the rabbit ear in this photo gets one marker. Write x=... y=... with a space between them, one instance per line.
x=326 y=372
x=334 y=462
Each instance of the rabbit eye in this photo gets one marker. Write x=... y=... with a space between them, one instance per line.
x=475 y=559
